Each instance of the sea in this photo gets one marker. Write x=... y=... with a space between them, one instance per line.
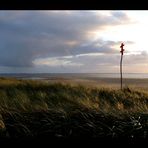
x=42 y=76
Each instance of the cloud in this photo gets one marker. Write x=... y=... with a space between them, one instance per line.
x=94 y=62
x=133 y=59
x=29 y=35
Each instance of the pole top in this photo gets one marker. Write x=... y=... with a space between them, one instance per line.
x=121 y=46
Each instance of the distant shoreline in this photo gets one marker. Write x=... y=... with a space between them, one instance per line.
x=102 y=82
x=74 y=75
x=93 y=80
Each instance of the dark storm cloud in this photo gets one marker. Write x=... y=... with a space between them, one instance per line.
x=28 y=35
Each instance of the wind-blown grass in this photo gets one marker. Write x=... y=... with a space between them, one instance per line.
x=35 y=108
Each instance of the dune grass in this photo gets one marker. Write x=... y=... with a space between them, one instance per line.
x=34 y=108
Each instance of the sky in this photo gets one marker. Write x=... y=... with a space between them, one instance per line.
x=83 y=41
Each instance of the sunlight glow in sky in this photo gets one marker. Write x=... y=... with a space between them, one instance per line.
x=73 y=41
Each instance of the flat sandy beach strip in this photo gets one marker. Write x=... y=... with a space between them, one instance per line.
x=102 y=82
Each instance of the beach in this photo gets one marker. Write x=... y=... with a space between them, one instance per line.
x=101 y=80
x=137 y=83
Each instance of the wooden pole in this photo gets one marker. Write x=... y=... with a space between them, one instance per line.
x=121 y=69
x=122 y=50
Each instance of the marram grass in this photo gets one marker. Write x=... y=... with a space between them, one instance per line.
x=35 y=108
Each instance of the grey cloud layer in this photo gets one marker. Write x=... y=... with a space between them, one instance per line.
x=95 y=62
x=28 y=35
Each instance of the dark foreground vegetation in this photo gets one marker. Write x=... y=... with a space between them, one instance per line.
x=33 y=109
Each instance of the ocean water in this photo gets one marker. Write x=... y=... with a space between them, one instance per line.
x=73 y=75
